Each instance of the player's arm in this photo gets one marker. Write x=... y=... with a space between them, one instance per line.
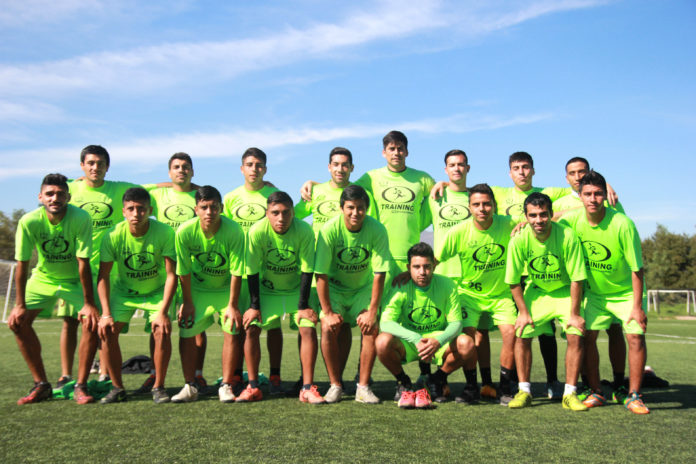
x=427 y=347
x=106 y=321
x=329 y=318
x=438 y=190
x=88 y=314
x=303 y=309
x=306 y=190
x=254 y=311
x=161 y=320
x=367 y=320
x=186 y=313
x=557 y=215
x=232 y=312
x=637 y=313
x=19 y=310
x=389 y=321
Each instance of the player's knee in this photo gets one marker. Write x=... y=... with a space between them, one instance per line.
x=465 y=345
x=635 y=341
x=253 y=331
x=383 y=342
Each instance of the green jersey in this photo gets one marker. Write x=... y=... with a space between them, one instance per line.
x=325 y=204
x=57 y=246
x=482 y=255
x=171 y=206
x=573 y=201
x=552 y=264
x=139 y=260
x=349 y=259
x=247 y=207
x=210 y=261
x=422 y=310
x=280 y=259
x=510 y=200
x=402 y=207
x=612 y=250
x=446 y=212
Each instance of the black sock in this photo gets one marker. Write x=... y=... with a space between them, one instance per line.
x=486 y=375
x=306 y=386
x=439 y=377
x=513 y=375
x=549 y=351
x=585 y=381
x=470 y=376
x=505 y=380
x=424 y=368
x=275 y=371
x=618 y=380
x=239 y=372
x=254 y=383
x=404 y=379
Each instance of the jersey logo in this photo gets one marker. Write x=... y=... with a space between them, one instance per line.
x=250 y=212
x=399 y=195
x=98 y=209
x=454 y=213
x=425 y=315
x=279 y=257
x=143 y=261
x=488 y=253
x=179 y=213
x=353 y=255
x=211 y=259
x=545 y=264
x=55 y=246
x=328 y=208
x=595 y=251
x=514 y=210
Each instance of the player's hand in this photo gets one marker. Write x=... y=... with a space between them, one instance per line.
x=438 y=190
x=367 y=321
x=17 y=317
x=516 y=230
x=401 y=279
x=523 y=320
x=186 y=315
x=306 y=190
x=106 y=326
x=638 y=315
x=89 y=316
x=612 y=196
x=427 y=347
x=162 y=322
x=250 y=316
x=332 y=321
x=233 y=314
x=309 y=314
x=577 y=322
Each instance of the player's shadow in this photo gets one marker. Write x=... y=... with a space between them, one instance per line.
x=676 y=396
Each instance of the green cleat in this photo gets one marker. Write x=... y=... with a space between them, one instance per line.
x=620 y=394
x=584 y=393
x=521 y=400
x=572 y=402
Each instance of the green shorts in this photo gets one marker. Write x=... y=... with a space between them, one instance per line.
x=501 y=310
x=545 y=307
x=603 y=310
x=275 y=306
x=44 y=295
x=124 y=306
x=350 y=305
x=412 y=351
x=208 y=303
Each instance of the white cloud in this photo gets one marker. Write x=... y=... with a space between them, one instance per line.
x=29 y=111
x=21 y=12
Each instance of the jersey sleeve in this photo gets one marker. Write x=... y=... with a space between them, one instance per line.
x=365 y=182
x=183 y=252
x=254 y=254
x=372 y=207
x=324 y=253
x=454 y=317
x=107 y=253
x=448 y=247
x=389 y=322
x=149 y=187
x=630 y=242
x=381 y=256
x=83 y=239
x=426 y=218
x=237 y=251
x=169 y=248
x=307 y=250
x=574 y=258
x=515 y=261
x=556 y=193
x=24 y=245
x=303 y=209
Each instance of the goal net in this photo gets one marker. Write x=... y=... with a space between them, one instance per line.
x=7 y=290
x=672 y=302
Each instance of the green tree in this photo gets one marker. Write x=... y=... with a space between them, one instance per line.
x=8 y=226
x=670 y=260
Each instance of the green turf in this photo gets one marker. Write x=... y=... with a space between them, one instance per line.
x=286 y=430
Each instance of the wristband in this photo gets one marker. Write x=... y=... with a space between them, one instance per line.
x=107 y=317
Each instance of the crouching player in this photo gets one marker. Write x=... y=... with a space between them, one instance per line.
x=351 y=262
x=143 y=249
x=423 y=321
x=553 y=257
x=209 y=249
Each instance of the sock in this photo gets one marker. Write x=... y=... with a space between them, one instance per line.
x=618 y=380
x=525 y=387
x=505 y=380
x=198 y=373
x=549 y=352
x=569 y=389
x=486 y=376
x=585 y=382
x=275 y=371
x=404 y=379
x=471 y=377
x=513 y=375
x=424 y=368
x=238 y=372
x=254 y=383
x=306 y=386
x=439 y=377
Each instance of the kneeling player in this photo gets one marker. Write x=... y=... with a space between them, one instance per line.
x=210 y=248
x=144 y=250
x=423 y=321
x=552 y=255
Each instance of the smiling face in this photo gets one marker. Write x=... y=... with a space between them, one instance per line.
x=421 y=270
x=521 y=173
x=94 y=168
x=395 y=153
x=354 y=212
x=280 y=216
x=340 y=168
x=181 y=172
x=54 y=198
x=539 y=218
x=481 y=206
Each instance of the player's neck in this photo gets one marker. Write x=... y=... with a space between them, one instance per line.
x=544 y=236
x=595 y=218
x=484 y=225
x=55 y=218
x=211 y=229
x=253 y=187
x=182 y=187
x=395 y=168
x=93 y=183
x=457 y=187
x=352 y=228
x=138 y=230
x=337 y=185
x=523 y=188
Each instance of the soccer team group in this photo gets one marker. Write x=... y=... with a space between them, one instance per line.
x=523 y=260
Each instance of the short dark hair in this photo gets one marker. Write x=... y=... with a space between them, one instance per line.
x=538 y=199
x=341 y=151
x=421 y=249
x=521 y=156
x=456 y=152
x=208 y=192
x=482 y=188
x=577 y=159
x=395 y=137
x=180 y=156
x=138 y=194
x=256 y=153
x=59 y=180
x=594 y=178
x=279 y=197
x=354 y=192
x=95 y=150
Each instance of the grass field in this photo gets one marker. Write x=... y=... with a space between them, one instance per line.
x=286 y=430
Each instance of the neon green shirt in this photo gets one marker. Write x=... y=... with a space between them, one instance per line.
x=612 y=250
x=401 y=199
x=57 y=246
x=210 y=261
x=349 y=259
x=446 y=212
x=246 y=207
x=422 y=310
x=552 y=264
x=482 y=254
x=510 y=200
x=280 y=259
x=572 y=201
x=171 y=206
x=139 y=260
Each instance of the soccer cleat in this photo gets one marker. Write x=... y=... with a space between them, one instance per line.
x=400 y=388
x=311 y=396
x=619 y=395
x=488 y=392
x=423 y=400
x=572 y=402
x=437 y=392
x=408 y=399
x=40 y=391
x=95 y=367
x=160 y=395
x=554 y=390
x=226 y=393
x=521 y=400
x=363 y=394
x=146 y=387
x=594 y=400
x=584 y=393
x=81 y=395
x=187 y=394
x=63 y=381
x=334 y=394
x=634 y=403
x=249 y=394
x=470 y=395
x=201 y=384
x=116 y=395
x=275 y=386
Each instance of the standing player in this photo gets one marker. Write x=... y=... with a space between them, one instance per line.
x=614 y=261
x=209 y=249
x=62 y=237
x=280 y=261
x=553 y=257
x=422 y=321
x=144 y=251
x=352 y=258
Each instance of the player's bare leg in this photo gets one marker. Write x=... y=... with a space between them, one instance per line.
x=331 y=352
x=368 y=353
x=87 y=350
x=274 y=344
x=637 y=354
x=163 y=352
x=188 y=351
x=574 y=358
x=68 y=345
x=30 y=346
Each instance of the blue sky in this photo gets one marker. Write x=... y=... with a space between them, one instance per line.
x=609 y=80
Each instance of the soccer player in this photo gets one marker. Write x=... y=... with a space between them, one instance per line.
x=553 y=257
x=62 y=236
x=422 y=321
x=280 y=262
x=480 y=243
x=352 y=258
x=144 y=251
x=210 y=249
x=614 y=262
